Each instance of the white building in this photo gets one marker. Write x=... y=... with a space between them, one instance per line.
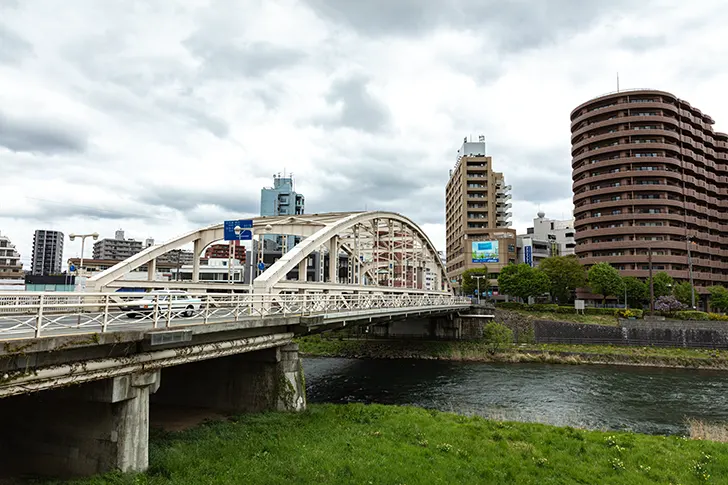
x=547 y=237
x=12 y=276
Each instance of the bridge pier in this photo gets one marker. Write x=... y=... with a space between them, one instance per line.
x=263 y=380
x=80 y=430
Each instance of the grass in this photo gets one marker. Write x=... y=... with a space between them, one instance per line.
x=375 y=444
x=569 y=317
x=700 y=430
x=548 y=353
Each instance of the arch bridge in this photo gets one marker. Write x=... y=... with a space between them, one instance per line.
x=350 y=252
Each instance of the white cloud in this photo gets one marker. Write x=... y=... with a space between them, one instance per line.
x=161 y=117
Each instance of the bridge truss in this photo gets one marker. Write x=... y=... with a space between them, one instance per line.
x=351 y=252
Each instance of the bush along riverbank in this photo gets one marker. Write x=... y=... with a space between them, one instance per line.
x=375 y=444
x=505 y=352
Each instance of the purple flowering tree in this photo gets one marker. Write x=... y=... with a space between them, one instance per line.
x=668 y=304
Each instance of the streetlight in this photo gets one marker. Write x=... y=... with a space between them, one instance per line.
x=239 y=232
x=83 y=237
x=652 y=286
x=689 y=241
x=478 y=278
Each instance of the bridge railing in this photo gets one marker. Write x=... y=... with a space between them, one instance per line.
x=51 y=314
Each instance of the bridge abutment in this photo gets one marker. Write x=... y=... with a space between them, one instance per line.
x=263 y=380
x=79 y=430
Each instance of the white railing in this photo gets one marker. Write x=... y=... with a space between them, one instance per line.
x=51 y=314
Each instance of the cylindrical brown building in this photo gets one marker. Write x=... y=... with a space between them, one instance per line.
x=649 y=171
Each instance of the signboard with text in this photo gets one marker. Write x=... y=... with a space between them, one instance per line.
x=528 y=255
x=485 y=252
x=246 y=232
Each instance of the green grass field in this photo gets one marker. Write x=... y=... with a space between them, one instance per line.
x=570 y=317
x=358 y=444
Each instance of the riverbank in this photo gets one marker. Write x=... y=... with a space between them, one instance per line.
x=477 y=351
x=355 y=443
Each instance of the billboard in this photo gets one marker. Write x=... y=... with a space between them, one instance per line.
x=485 y=252
x=528 y=255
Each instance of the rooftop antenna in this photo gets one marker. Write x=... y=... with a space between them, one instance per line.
x=617 y=81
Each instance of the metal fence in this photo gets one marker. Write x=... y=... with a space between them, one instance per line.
x=47 y=314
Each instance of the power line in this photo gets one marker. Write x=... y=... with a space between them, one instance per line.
x=129 y=214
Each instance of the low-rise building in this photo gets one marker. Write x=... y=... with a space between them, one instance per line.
x=12 y=276
x=547 y=237
x=117 y=249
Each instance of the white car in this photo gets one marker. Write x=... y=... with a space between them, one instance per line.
x=182 y=303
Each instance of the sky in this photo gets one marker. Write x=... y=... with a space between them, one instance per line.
x=162 y=116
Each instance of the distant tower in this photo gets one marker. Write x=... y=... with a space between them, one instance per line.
x=282 y=200
x=119 y=235
x=47 y=252
x=149 y=242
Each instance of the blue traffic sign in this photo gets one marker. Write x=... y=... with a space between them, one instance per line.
x=245 y=235
x=261 y=266
x=72 y=268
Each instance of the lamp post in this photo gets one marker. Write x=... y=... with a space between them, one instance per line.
x=94 y=235
x=652 y=286
x=268 y=228
x=478 y=278
x=239 y=232
x=689 y=241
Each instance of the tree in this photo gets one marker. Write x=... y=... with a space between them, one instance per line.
x=662 y=284
x=718 y=298
x=638 y=291
x=605 y=280
x=522 y=281
x=683 y=292
x=668 y=304
x=496 y=337
x=565 y=273
x=470 y=284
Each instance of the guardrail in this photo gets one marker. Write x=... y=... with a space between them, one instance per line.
x=47 y=314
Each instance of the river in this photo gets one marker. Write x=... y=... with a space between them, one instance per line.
x=641 y=399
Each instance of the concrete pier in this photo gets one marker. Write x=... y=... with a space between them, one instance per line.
x=79 y=430
x=264 y=380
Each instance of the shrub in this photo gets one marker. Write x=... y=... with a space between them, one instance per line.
x=497 y=336
x=718 y=317
x=543 y=307
x=601 y=311
x=629 y=313
x=510 y=305
x=668 y=304
x=690 y=315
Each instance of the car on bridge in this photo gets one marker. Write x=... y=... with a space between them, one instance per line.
x=180 y=302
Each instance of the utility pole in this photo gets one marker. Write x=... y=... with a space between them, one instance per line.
x=690 y=268
x=652 y=286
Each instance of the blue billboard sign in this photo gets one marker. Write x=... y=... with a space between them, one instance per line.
x=528 y=255
x=245 y=235
x=485 y=252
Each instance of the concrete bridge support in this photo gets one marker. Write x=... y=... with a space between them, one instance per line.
x=264 y=380
x=79 y=430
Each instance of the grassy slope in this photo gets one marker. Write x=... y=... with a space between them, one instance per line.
x=570 y=317
x=477 y=351
x=357 y=444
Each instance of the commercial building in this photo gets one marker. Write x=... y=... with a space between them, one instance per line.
x=222 y=251
x=477 y=217
x=12 y=276
x=546 y=238
x=650 y=173
x=117 y=249
x=282 y=200
x=47 y=252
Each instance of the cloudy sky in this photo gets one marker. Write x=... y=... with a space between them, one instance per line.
x=161 y=116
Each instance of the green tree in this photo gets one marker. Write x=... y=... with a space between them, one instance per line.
x=718 y=298
x=522 y=281
x=662 y=284
x=470 y=284
x=565 y=273
x=497 y=336
x=683 y=292
x=605 y=280
x=638 y=291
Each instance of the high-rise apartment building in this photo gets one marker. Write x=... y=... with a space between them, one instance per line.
x=47 y=252
x=117 y=249
x=282 y=200
x=650 y=173
x=478 y=233
x=12 y=276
